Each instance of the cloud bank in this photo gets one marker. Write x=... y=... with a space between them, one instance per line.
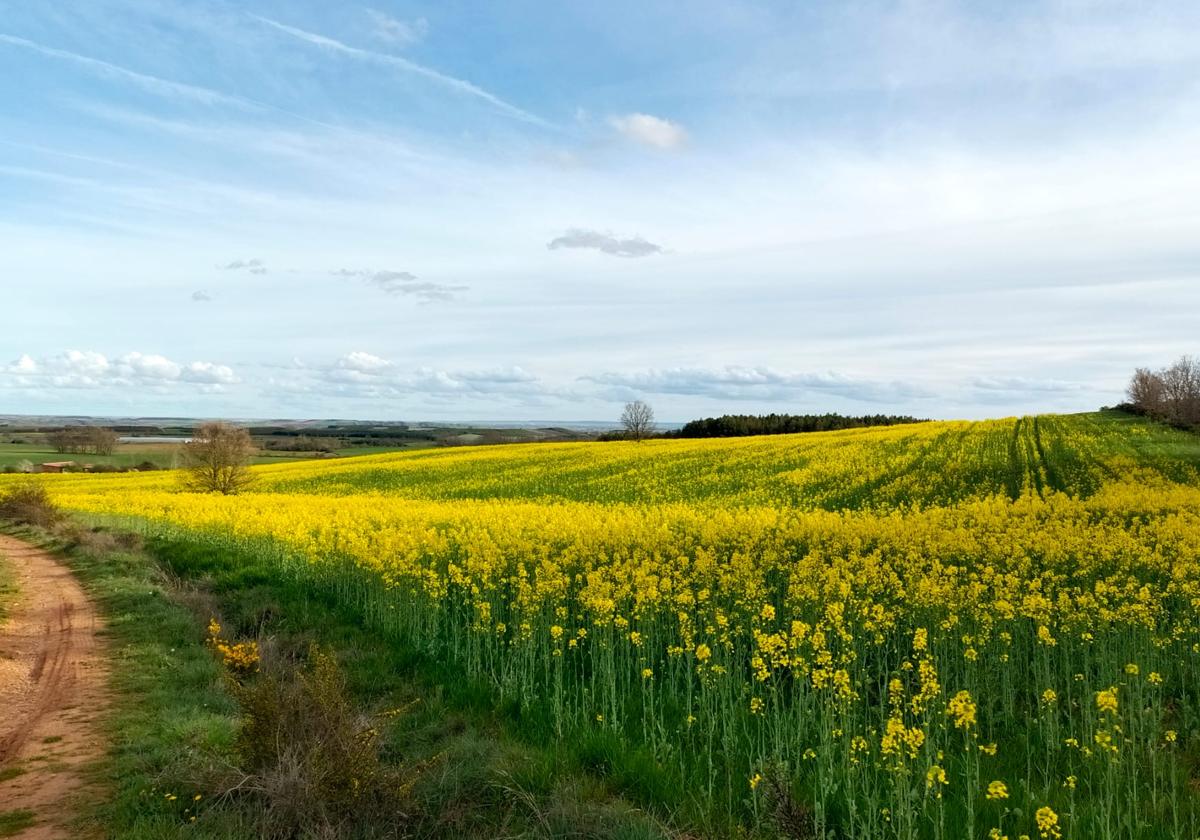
x=755 y=383
x=89 y=369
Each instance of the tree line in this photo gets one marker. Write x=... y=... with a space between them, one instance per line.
x=741 y=425
x=1171 y=394
x=84 y=440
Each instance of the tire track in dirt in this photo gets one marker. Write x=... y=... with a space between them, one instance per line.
x=53 y=691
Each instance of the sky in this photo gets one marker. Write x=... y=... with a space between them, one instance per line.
x=529 y=211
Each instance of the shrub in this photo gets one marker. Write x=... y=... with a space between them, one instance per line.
x=29 y=504
x=309 y=761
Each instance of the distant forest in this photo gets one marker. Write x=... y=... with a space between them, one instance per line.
x=741 y=425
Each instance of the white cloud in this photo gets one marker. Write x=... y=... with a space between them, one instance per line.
x=362 y=375
x=201 y=296
x=25 y=364
x=650 y=130
x=206 y=373
x=143 y=366
x=89 y=369
x=605 y=243
x=363 y=363
x=755 y=383
x=498 y=375
x=401 y=32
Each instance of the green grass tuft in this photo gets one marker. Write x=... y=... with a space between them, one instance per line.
x=14 y=822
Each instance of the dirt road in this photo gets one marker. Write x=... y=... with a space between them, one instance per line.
x=53 y=690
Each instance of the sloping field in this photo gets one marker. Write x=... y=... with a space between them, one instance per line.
x=919 y=631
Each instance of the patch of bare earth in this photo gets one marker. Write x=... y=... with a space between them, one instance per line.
x=53 y=691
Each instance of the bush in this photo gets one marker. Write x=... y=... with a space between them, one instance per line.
x=309 y=761
x=29 y=504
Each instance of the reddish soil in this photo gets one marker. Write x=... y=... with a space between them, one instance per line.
x=53 y=691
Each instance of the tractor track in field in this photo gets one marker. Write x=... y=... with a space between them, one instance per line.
x=53 y=691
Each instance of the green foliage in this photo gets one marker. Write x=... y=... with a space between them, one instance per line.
x=742 y=425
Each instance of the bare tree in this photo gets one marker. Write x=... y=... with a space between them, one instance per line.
x=102 y=441
x=84 y=439
x=60 y=439
x=1171 y=394
x=1181 y=391
x=216 y=459
x=638 y=420
x=1146 y=391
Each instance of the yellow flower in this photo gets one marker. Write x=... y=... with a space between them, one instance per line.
x=1106 y=701
x=997 y=790
x=962 y=709
x=703 y=652
x=1154 y=678
x=1049 y=696
x=935 y=775
x=754 y=780
x=1047 y=823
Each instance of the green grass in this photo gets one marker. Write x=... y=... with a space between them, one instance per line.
x=14 y=822
x=125 y=455
x=8 y=587
x=11 y=772
x=164 y=454
x=173 y=719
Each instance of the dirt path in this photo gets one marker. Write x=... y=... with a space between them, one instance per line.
x=53 y=678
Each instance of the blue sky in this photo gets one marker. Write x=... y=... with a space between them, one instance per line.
x=528 y=211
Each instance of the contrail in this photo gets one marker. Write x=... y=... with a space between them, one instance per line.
x=460 y=85
x=162 y=87
x=151 y=83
